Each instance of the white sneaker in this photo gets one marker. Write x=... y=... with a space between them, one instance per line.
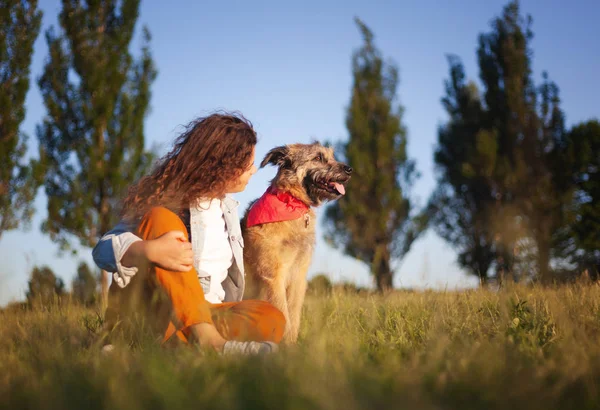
x=249 y=348
x=107 y=349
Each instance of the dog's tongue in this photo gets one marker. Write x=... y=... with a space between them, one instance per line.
x=339 y=187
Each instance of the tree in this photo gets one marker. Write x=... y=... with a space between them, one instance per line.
x=44 y=286
x=20 y=21
x=85 y=285
x=372 y=221
x=92 y=137
x=529 y=125
x=499 y=156
x=579 y=240
x=504 y=59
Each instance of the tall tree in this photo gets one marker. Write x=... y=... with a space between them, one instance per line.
x=504 y=60
x=85 y=285
x=529 y=125
x=499 y=153
x=97 y=96
x=372 y=221
x=20 y=21
x=44 y=286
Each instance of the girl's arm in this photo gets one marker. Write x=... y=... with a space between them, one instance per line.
x=121 y=252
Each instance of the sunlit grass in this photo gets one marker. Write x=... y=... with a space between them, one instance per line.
x=529 y=348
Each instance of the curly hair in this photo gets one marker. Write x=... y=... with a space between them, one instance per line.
x=211 y=153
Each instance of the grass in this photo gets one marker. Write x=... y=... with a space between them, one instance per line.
x=520 y=348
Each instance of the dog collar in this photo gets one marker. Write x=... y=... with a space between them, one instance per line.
x=276 y=206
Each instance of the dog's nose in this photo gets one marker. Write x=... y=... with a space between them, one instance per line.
x=347 y=169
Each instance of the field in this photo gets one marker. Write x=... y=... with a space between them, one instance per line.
x=519 y=348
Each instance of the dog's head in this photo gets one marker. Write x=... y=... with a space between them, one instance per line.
x=309 y=172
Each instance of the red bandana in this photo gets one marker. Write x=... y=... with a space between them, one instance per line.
x=276 y=206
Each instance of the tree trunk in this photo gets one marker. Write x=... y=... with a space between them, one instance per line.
x=482 y=273
x=384 y=281
x=504 y=265
x=543 y=258
x=381 y=270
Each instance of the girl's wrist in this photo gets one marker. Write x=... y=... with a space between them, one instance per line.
x=149 y=251
x=138 y=254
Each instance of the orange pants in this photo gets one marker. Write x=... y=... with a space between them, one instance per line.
x=169 y=302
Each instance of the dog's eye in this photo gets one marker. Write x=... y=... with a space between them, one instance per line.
x=319 y=158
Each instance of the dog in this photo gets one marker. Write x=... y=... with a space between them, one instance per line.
x=279 y=228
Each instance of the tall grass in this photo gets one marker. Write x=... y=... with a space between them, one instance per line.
x=529 y=348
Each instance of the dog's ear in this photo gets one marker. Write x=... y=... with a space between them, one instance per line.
x=277 y=156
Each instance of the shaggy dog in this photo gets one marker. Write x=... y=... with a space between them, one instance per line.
x=279 y=227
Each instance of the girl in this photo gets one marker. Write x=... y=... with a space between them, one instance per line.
x=177 y=256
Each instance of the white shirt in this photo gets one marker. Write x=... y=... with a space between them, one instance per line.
x=210 y=243
x=114 y=244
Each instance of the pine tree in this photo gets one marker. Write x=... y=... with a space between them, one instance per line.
x=97 y=97
x=372 y=221
x=20 y=21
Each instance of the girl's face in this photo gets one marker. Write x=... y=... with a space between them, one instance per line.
x=240 y=184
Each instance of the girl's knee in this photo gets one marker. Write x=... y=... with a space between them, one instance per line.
x=158 y=221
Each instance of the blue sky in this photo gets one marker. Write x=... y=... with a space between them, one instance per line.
x=287 y=67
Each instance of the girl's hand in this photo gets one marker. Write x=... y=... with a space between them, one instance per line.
x=170 y=251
